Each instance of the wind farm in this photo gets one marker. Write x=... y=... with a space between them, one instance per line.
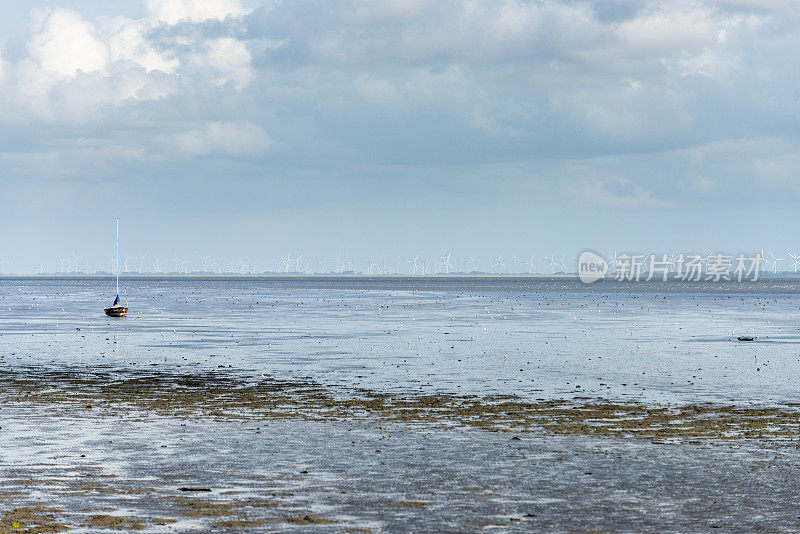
x=445 y=264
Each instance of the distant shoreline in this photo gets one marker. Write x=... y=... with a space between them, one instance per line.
x=358 y=276
x=278 y=276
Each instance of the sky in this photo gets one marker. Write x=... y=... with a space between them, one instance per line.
x=360 y=129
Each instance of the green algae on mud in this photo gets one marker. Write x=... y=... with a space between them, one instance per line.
x=225 y=398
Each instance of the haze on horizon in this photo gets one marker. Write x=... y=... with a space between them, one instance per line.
x=390 y=129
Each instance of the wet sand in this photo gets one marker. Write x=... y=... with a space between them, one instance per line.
x=222 y=397
x=153 y=452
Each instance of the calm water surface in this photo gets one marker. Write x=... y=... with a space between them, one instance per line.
x=536 y=338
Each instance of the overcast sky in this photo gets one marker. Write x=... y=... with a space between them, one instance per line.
x=390 y=128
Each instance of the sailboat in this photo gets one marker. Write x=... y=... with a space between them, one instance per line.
x=117 y=309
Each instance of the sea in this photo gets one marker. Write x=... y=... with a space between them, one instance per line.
x=537 y=338
x=105 y=460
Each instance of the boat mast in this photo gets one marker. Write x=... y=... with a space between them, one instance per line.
x=117 y=256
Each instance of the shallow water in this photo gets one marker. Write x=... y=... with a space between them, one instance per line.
x=85 y=449
x=536 y=338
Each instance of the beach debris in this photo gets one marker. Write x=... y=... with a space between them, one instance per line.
x=194 y=489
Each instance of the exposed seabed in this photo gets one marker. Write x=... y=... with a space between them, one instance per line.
x=147 y=451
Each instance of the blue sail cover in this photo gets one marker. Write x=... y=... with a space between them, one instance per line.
x=116 y=300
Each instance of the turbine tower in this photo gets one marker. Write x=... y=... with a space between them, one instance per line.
x=77 y=259
x=774 y=261
x=553 y=265
x=794 y=266
x=414 y=267
x=498 y=263
x=176 y=261
x=446 y=265
x=531 y=263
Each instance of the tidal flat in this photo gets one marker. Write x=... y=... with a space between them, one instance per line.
x=253 y=407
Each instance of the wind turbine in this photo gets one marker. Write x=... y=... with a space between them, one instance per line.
x=414 y=267
x=553 y=264
x=774 y=262
x=3 y=263
x=474 y=261
x=498 y=263
x=175 y=261
x=286 y=262
x=762 y=260
x=446 y=265
x=563 y=265
x=612 y=262
x=531 y=263
x=794 y=266
x=205 y=263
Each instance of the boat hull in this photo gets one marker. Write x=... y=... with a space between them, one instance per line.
x=116 y=311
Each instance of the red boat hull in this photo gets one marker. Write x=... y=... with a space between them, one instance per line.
x=116 y=311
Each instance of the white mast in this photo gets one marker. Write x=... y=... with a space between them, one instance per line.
x=117 y=256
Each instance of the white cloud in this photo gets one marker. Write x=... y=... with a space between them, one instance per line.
x=174 y=11
x=617 y=192
x=76 y=67
x=670 y=28
x=228 y=60
x=63 y=43
x=127 y=42
x=515 y=79
x=227 y=138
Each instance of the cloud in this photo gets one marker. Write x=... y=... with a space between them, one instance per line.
x=63 y=43
x=76 y=67
x=618 y=193
x=228 y=60
x=423 y=82
x=671 y=27
x=174 y=11
x=128 y=41
x=226 y=138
